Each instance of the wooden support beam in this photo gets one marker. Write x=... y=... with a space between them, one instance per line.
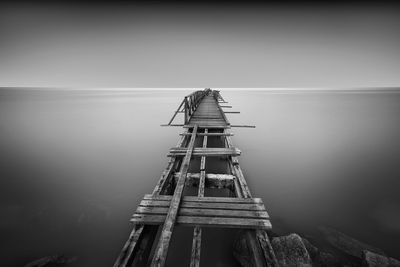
x=260 y=240
x=210 y=134
x=226 y=106
x=125 y=258
x=136 y=248
x=243 y=126
x=208 y=126
x=173 y=125
x=196 y=243
x=176 y=112
x=232 y=112
x=161 y=251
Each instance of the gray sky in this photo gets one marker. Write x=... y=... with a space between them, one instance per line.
x=199 y=46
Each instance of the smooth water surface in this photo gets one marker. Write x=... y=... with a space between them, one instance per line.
x=75 y=164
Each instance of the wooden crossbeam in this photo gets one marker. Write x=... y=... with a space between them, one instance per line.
x=161 y=251
x=200 y=203
x=202 y=126
x=205 y=211
x=209 y=152
x=246 y=223
x=188 y=199
x=210 y=134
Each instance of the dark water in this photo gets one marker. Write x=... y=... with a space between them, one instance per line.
x=74 y=165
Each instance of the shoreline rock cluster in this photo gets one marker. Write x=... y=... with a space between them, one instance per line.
x=294 y=250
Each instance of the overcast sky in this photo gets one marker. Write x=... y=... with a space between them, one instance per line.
x=199 y=46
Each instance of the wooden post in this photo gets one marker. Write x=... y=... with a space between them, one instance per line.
x=161 y=251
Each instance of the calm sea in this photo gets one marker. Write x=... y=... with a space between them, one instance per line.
x=75 y=164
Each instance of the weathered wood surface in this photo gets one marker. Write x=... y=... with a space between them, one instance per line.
x=208 y=152
x=196 y=243
x=202 y=110
x=263 y=245
x=204 y=212
x=185 y=199
x=208 y=113
x=141 y=235
x=225 y=222
x=207 y=205
x=209 y=134
x=161 y=251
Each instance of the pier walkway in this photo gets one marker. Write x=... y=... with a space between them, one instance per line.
x=158 y=213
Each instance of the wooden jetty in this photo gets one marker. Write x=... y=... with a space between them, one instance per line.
x=158 y=213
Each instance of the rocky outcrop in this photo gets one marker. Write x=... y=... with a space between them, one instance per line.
x=51 y=261
x=346 y=243
x=291 y=251
x=371 y=259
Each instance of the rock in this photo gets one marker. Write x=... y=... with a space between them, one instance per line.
x=313 y=251
x=371 y=259
x=346 y=243
x=51 y=261
x=291 y=251
x=325 y=259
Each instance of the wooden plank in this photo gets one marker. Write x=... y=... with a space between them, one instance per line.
x=196 y=243
x=204 y=212
x=131 y=251
x=206 y=126
x=206 y=205
x=161 y=251
x=168 y=171
x=245 y=223
x=232 y=112
x=222 y=113
x=210 y=134
x=125 y=257
x=196 y=247
x=173 y=125
x=243 y=126
x=209 y=152
x=261 y=236
x=234 y=200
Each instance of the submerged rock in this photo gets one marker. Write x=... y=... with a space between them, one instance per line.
x=291 y=251
x=51 y=261
x=313 y=251
x=346 y=243
x=320 y=258
x=242 y=250
x=371 y=259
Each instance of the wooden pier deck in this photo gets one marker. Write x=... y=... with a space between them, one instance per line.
x=168 y=207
